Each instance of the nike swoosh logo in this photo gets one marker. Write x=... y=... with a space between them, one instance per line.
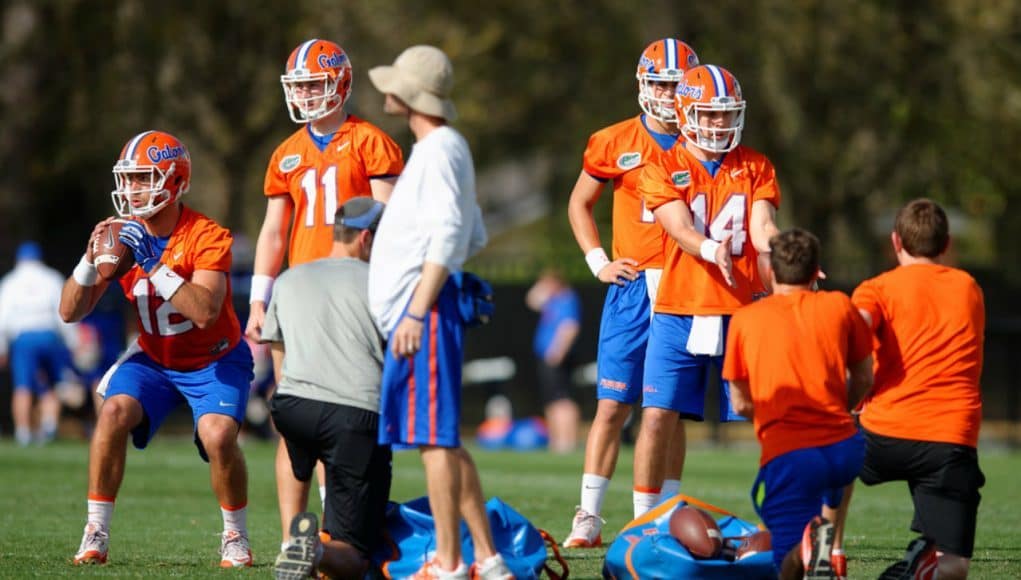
x=222 y=404
x=736 y=173
x=343 y=146
x=178 y=255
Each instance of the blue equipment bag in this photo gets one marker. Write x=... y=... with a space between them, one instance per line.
x=474 y=298
x=645 y=550
x=411 y=541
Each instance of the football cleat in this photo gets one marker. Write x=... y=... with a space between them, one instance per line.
x=816 y=546
x=234 y=550
x=300 y=556
x=586 y=531
x=431 y=571
x=492 y=568
x=93 y=549
x=919 y=557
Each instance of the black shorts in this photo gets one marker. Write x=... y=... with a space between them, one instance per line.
x=358 y=470
x=944 y=480
x=554 y=381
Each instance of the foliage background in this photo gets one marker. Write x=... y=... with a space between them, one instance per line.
x=861 y=105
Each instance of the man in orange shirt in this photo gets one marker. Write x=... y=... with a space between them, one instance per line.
x=922 y=418
x=332 y=158
x=787 y=358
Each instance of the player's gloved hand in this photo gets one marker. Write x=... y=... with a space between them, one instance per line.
x=143 y=246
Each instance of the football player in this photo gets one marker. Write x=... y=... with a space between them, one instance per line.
x=717 y=200
x=333 y=157
x=617 y=154
x=189 y=348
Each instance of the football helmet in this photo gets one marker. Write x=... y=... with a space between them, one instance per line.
x=155 y=164
x=316 y=80
x=662 y=61
x=709 y=89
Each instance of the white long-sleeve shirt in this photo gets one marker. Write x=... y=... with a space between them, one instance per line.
x=29 y=302
x=433 y=216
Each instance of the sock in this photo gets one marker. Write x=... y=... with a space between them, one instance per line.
x=644 y=499
x=235 y=518
x=322 y=498
x=593 y=492
x=23 y=435
x=671 y=487
x=837 y=552
x=100 y=510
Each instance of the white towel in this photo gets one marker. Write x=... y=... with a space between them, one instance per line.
x=706 y=336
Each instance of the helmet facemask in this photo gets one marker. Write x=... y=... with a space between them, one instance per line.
x=126 y=176
x=712 y=138
x=304 y=109
x=659 y=108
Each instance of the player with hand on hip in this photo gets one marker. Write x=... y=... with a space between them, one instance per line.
x=333 y=157
x=189 y=348
x=617 y=154
x=716 y=199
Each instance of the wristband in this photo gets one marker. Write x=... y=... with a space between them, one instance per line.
x=166 y=281
x=596 y=260
x=85 y=274
x=262 y=288
x=708 y=250
x=415 y=318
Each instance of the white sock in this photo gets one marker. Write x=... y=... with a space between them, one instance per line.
x=593 y=492
x=671 y=487
x=322 y=498
x=837 y=552
x=643 y=501
x=235 y=519
x=23 y=435
x=100 y=512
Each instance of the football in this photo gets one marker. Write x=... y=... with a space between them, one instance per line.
x=697 y=531
x=112 y=258
x=754 y=544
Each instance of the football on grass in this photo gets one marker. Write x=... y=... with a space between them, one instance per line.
x=697 y=531
x=754 y=544
x=112 y=258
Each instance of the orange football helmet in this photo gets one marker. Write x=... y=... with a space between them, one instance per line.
x=662 y=61
x=153 y=164
x=710 y=89
x=313 y=62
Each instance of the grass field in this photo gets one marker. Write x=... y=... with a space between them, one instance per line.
x=167 y=524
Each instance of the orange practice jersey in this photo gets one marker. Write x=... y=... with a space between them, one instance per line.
x=170 y=339
x=618 y=153
x=794 y=351
x=319 y=182
x=929 y=322
x=719 y=206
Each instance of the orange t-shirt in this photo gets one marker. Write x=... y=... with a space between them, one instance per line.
x=794 y=350
x=617 y=153
x=170 y=339
x=319 y=182
x=719 y=205
x=929 y=322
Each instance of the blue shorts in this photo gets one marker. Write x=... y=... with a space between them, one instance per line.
x=675 y=379
x=220 y=388
x=791 y=489
x=420 y=403
x=623 y=335
x=35 y=351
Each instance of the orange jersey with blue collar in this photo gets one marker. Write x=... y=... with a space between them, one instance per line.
x=617 y=153
x=170 y=339
x=320 y=181
x=719 y=205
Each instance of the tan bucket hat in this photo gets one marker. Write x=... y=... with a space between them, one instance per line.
x=422 y=77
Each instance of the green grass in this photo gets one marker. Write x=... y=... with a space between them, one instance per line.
x=166 y=522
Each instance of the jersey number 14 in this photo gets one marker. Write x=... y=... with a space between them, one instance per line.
x=730 y=219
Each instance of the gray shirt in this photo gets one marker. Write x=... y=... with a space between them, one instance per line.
x=334 y=353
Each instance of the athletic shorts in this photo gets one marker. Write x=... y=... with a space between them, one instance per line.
x=420 y=402
x=677 y=380
x=220 y=388
x=623 y=335
x=32 y=352
x=944 y=480
x=358 y=471
x=554 y=381
x=791 y=488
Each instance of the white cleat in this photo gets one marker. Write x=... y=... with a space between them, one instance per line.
x=234 y=550
x=586 y=531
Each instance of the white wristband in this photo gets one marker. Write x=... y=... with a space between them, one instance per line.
x=166 y=281
x=85 y=274
x=596 y=260
x=262 y=288
x=708 y=250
